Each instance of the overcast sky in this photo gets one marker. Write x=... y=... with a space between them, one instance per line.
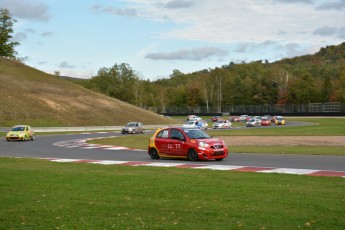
x=78 y=37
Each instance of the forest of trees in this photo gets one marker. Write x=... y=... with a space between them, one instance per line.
x=301 y=80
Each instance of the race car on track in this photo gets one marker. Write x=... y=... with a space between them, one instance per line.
x=196 y=124
x=265 y=121
x=193 y=118
x=222 y=124
x=253 y=122
x=20 y=132
x=215 y=118
x=133 y=127
x=235 y=119
x=279 y=120
x=193 y=144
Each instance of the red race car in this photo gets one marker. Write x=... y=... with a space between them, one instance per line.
x=215 y=118
x=265 y=121
x=193 y=144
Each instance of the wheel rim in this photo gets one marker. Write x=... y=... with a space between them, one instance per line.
x=154 y=154
x=192 y=155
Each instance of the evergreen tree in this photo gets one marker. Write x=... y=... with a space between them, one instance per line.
x=6 y=24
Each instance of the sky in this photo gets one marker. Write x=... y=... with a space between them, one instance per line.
x=156 y=37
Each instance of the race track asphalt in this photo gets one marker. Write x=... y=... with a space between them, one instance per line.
x=67 y=147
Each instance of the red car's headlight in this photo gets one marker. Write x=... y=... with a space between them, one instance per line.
x=203 y=144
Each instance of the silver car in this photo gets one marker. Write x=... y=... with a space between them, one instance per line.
x=133 y=127
x=254 y=122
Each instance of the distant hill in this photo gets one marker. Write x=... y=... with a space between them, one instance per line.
x=33 y=97
x=312 y=78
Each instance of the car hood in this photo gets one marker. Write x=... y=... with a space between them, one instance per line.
x=212 y=141
x=14 y=132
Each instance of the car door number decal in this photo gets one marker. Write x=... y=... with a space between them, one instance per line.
x=171 y=146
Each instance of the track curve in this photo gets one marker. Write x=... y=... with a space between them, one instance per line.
x=74 y=146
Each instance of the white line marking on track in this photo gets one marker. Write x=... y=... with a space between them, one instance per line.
x=219 y=167
x=109 y=162
x=290 y=171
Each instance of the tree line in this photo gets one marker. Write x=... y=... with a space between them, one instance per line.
x=301 y=80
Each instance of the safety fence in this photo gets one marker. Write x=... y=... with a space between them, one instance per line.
x=332 y=108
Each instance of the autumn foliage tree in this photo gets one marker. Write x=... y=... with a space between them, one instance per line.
x=300 y=80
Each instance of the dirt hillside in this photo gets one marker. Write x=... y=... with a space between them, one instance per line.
x=33 y=97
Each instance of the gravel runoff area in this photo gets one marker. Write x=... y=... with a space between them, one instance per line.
x=285 y=140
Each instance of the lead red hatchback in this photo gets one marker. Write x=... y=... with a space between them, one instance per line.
x=193 y=144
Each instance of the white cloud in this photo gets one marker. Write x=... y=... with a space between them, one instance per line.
x=20 y=36
x=333 y=5
x=191 y=54
x=47 y=34
x=158 y=36
x=126 y=12
x=64 y=64
x=295 y=1
x=326 y=30
x=27 y=9
x=178 y=4
x=341 y=33
x=223 y=21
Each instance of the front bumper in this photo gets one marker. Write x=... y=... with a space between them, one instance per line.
x=212 y=154
x=124 y=131
x=15 y=138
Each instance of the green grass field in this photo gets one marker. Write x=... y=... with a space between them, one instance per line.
x=38 y=194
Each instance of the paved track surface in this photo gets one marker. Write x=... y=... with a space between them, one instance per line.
x=74 y=146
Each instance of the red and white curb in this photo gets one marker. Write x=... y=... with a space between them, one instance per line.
x=81 y=143
x=308 y=172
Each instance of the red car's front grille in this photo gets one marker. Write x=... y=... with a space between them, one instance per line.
x=217 y=146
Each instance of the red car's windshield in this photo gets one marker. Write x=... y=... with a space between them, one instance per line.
x=196 y=134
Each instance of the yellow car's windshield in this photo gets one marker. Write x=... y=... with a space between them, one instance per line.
x=18 y=128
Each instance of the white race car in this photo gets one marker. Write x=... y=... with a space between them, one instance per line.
x=222 y=124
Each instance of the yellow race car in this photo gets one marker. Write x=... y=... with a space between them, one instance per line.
x=20 y=132
x=279 y=120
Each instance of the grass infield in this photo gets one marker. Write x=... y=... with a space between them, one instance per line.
x=39 y=194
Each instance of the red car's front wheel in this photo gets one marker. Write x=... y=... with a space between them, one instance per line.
x=192 y=155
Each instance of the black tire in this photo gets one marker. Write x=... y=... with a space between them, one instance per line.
x=219 y=159
x=154 y=154
x=192 y=155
